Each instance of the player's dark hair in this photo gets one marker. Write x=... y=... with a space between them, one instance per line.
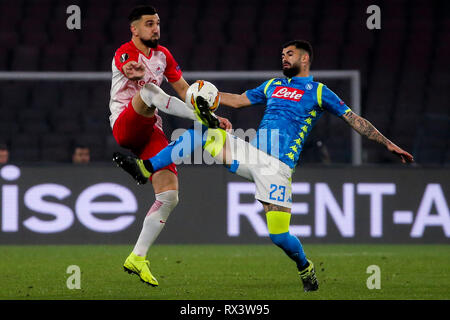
x=3 y=146
x=301 y=44
x=138 y=11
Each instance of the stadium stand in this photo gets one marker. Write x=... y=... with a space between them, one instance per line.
x=404 y=67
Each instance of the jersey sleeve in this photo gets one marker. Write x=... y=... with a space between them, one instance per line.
x=173 y=71
x=258 y=94
x=124 y=55
x=329 y=101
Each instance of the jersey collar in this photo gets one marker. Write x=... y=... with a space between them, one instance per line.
x=147 y=56
x=300 y=79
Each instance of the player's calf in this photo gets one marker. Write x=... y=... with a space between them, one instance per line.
x=152 y=95
x=278 y=225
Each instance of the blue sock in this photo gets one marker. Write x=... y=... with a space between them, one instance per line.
x=190 y=140
x=292 y=246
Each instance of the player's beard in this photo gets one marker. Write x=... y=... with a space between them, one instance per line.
x=292 y=71
x=150 y=43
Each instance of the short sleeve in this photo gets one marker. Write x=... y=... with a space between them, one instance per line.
x=258 y=94
x=124 y=55
x=173 y=71
x=332 y=103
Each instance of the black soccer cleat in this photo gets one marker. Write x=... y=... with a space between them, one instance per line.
x=309 y=279
x=205 y=113
x=134 y=166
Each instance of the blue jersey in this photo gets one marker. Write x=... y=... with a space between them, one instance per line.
x=293 y=106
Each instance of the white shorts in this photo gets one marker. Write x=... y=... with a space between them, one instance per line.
x=271 y=176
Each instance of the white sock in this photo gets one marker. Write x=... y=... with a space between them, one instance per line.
x=153 y=95
x=155 y=220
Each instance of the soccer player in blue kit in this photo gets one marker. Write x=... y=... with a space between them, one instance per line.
x=293 y=106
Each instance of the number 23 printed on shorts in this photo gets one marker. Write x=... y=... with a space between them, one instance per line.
x=277 y=192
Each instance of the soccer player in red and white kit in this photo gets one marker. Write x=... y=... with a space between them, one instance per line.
x=137 y=126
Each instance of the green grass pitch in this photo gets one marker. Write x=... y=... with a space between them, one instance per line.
x=226 y=272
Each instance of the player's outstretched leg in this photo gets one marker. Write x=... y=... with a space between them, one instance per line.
x=135 y=264
x=189 y=141
x=134 y=166
x=153 y=95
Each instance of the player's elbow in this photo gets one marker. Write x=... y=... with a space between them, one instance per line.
x=238 y=105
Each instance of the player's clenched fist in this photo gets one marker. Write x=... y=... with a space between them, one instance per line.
x=134 y=70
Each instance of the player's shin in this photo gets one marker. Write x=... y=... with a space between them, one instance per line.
x=153 y=95
x=155 y=220
x=215 y=144
x=212 y=140
x=185 y=145
x=278 y=225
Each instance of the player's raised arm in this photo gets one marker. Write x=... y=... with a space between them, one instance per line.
x=180 y=86
x=365 y=128
x=234 y=100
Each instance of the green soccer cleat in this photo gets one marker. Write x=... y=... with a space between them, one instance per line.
x=204 y=113
x=138 y=265
x=134 y=166
x=308 y=276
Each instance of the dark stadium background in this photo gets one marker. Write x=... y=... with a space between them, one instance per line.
x=54 y=214
x=404 y=93
x=404 y=68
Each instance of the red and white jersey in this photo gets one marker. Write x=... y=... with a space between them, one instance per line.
x=159 y=64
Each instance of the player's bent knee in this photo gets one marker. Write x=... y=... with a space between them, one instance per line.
x=141 y=108
x=168 y=198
